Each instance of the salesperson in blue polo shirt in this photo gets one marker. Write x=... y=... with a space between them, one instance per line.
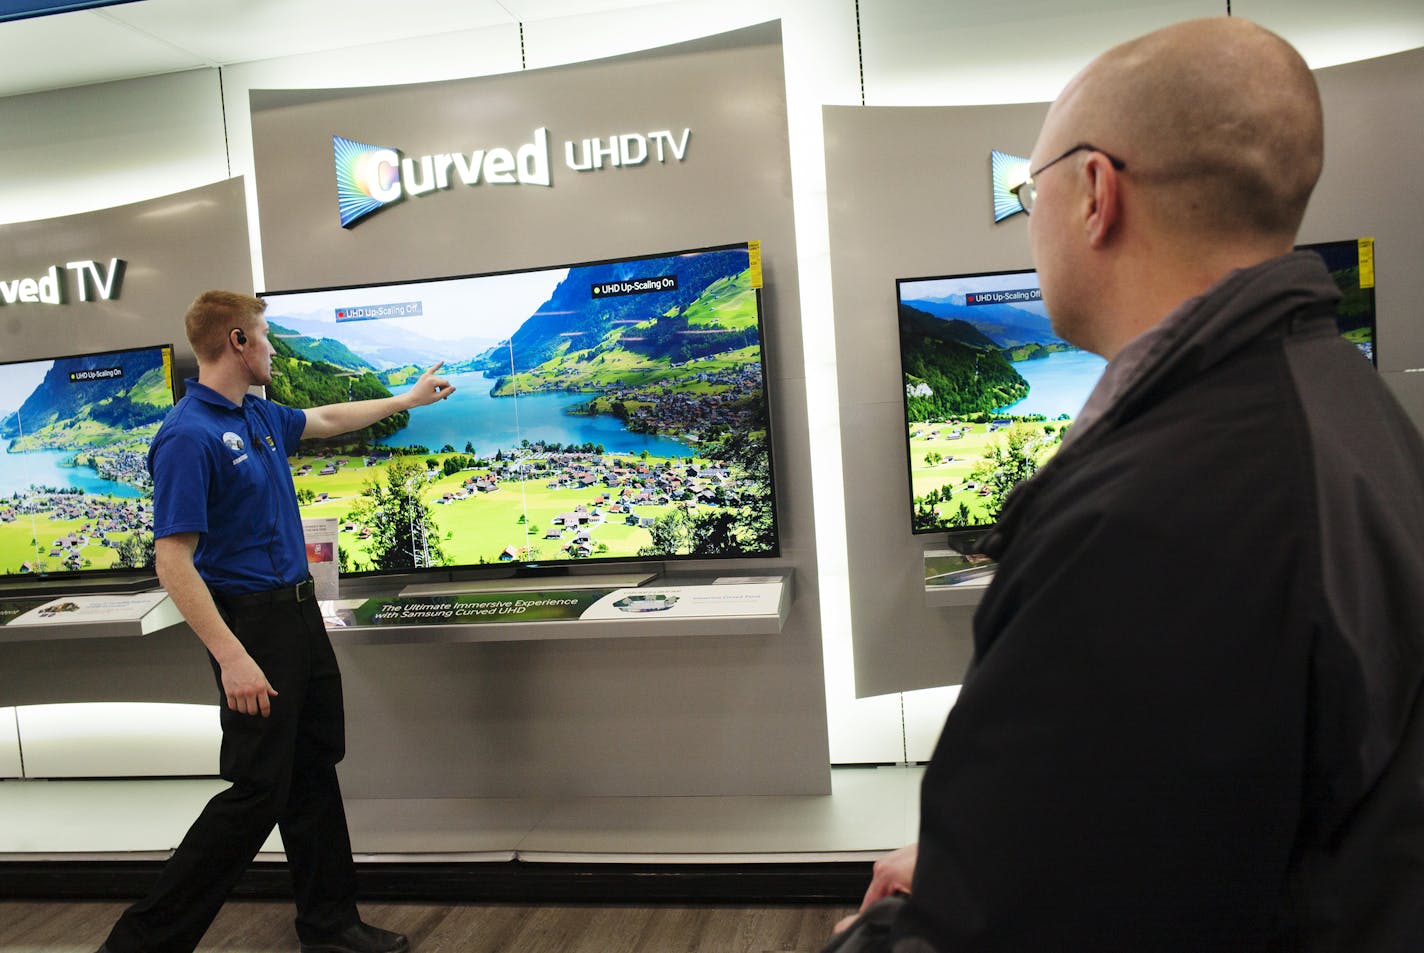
x=230 y=553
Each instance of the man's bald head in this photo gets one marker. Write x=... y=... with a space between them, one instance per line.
x=1218 y=119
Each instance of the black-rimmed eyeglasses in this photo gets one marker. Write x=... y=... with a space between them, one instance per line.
x=1026 y=192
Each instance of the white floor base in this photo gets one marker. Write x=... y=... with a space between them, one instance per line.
x=869 y=811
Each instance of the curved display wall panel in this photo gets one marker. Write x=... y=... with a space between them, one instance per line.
x=936 y=217
x=682 y=147
x=108 y=281
x=120 y=277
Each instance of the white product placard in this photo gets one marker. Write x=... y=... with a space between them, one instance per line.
x=82 y=610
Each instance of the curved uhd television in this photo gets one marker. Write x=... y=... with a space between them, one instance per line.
x=75 y=495
x=1351 y=264
x=612 y=411
x=989 y=392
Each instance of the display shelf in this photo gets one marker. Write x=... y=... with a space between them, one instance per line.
x=960 y=594
x=91 y=616
x=674 y=606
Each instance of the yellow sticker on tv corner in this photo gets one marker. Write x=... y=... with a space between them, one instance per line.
x=754 y=262
x=1367 y=262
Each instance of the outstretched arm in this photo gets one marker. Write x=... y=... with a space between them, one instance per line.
x=332 y=419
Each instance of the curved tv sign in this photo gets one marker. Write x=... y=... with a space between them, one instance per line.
x=91 y=279
x=371 y=177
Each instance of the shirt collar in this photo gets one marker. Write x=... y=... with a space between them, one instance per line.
x=207 y=395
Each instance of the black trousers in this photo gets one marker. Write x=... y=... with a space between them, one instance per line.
x=283 y=772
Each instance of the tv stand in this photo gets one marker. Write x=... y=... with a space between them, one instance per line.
x=525 y=581
x=74 y=587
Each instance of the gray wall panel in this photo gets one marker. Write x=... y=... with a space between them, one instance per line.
x=1374 y=148
x=729 y=715
x=909 y=198
x=176 y=246
x=166 y=666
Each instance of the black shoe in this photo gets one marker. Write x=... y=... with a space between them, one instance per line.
x=361 y=938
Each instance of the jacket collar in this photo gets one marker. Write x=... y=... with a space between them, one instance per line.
x=1240 y=309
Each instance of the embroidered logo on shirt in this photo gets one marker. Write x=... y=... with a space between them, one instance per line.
x=232 y=441
x=270 y=442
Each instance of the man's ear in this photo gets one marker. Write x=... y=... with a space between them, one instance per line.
x=1102 y=208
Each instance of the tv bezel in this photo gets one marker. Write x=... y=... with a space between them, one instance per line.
x=109 y=578
x=964 y=539
x=562 y=565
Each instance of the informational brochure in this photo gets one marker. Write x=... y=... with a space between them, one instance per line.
x=320 y=534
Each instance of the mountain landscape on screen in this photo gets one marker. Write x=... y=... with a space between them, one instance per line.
x=615 y=410
x=75 y=493
x=989 y=389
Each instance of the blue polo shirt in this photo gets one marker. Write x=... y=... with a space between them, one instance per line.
x=220 y=470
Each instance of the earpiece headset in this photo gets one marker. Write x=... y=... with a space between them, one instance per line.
x=239 y=336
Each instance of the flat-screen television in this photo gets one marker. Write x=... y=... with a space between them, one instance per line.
x=76 y=498
x=607 y=411
x=1351 y=264
x=989 y=392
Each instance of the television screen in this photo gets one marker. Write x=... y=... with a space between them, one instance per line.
x=614 y=410
x=990 y=389
x=1351 y=264
x=75 y=494
x=989 y=392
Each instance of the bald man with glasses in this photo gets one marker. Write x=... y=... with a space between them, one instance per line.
x=1195 y=716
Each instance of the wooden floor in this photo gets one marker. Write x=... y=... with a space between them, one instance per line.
x=260 y=927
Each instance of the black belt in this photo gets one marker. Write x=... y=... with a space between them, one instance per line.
x=281 y=596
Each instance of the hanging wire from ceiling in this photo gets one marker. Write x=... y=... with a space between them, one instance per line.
x=860 y=52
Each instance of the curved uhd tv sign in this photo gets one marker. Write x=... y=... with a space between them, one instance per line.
x=369 y=177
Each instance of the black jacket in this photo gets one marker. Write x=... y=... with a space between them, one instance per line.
x=1194 y=720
